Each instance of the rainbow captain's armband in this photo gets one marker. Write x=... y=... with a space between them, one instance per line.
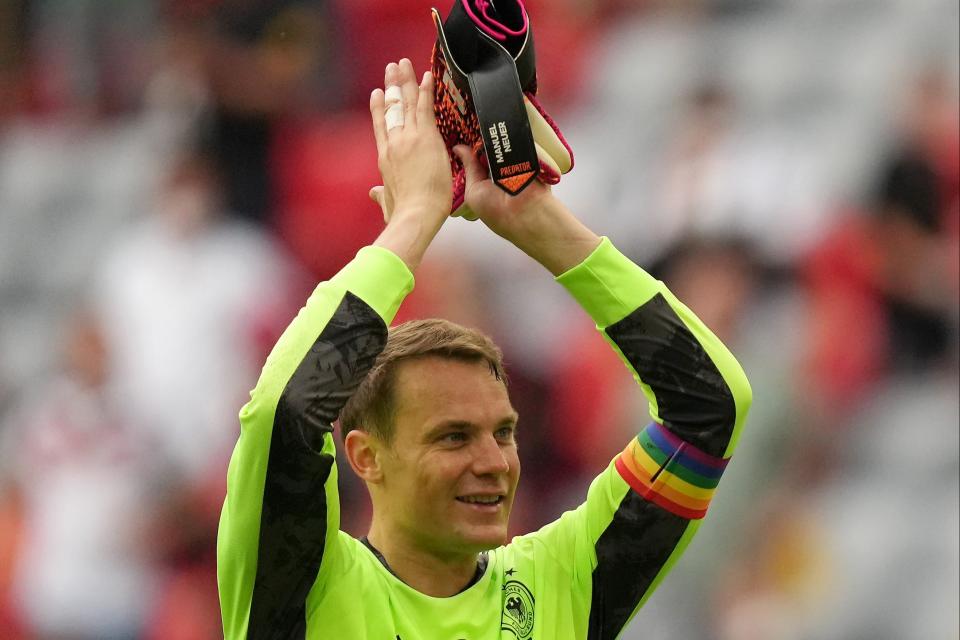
x=670 y=473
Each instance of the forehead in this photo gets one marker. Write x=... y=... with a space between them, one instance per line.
x=430 y=389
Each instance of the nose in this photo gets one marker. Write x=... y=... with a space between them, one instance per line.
x=489 y=458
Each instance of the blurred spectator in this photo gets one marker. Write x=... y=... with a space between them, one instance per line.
x=11 y=533
x=262 y=62
x=913 y=269
x=845 y=335
x=89 y=59
x=775 y=589
x=81 y=569
x=917 y=202
x=883 y=286
x=883 y=317
x=190 y=301
x=13 y=58
x=861 y=556
x=723 y=173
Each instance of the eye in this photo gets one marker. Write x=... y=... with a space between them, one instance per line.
x=504 y=434
x=454 y=437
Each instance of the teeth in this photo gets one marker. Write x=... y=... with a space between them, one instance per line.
x=481 y=499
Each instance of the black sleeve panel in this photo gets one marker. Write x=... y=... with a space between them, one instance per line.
x=693 y=400
x=294 y=517
x=625 y=572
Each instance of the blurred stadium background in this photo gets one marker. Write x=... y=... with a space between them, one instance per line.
x=175 y=174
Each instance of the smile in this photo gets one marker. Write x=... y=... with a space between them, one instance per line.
x=481 y=500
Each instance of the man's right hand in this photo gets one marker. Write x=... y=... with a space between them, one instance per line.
x=416 y=194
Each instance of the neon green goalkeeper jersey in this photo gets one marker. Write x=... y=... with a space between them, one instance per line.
x=285 y=570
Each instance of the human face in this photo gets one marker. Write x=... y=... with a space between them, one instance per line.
x=453 y=445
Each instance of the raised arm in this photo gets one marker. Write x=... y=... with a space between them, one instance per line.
x=641 y=512
x=278 y=528
x=694 y=385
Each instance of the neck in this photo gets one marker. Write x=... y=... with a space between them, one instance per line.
x=428 y=572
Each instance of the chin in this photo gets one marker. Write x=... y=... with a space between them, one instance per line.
x=486 y=540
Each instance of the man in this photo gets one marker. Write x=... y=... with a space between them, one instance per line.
x=431 y=431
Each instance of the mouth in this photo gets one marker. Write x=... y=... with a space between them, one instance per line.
x=485 y=502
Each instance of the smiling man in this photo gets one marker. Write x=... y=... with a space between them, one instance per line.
x=432 y=432
x=429 y=426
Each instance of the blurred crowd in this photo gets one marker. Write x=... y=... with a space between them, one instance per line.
x=176 y=175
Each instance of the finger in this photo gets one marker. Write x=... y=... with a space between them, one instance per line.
x=425 y=113
x=471 y=165
x=376 y=114
x=394 y=114
x=391 y=74
x=409 y=90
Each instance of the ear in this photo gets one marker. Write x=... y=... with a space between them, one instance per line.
x=362 y=451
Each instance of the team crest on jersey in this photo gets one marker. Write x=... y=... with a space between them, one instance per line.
x=517 y=614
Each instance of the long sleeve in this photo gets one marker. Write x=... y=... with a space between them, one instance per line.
x=642 y=511
x=693 y=384
x=279 y=523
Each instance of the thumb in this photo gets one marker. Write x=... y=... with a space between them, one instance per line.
x=471 y=164
x=377 y=195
